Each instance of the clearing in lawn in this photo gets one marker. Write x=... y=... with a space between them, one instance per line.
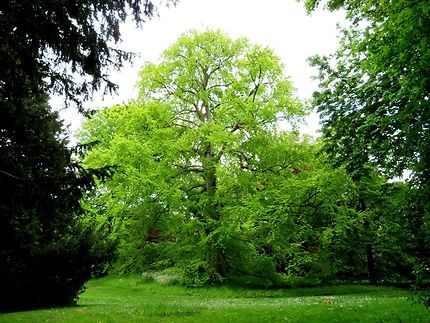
x=132 y=299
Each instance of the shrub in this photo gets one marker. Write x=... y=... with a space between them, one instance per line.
x=51 y=274
x=421 y=287
x=198 y=273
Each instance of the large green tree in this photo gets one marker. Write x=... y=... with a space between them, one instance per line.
x=203 y=167
x=374 y=98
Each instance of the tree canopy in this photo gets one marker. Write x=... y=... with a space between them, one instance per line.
x=374 y=99
x=46 y=254
x=205 y=179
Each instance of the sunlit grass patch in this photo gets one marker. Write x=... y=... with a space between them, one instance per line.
x=134 y=299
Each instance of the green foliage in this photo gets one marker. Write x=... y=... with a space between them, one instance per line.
x=374 y=99
x=197 y=273
x=63 y=47
x=205 y=180
x=208 y=184
x=374 y=102
x=421 y=291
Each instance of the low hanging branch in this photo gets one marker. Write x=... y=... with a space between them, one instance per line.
x=10 y=175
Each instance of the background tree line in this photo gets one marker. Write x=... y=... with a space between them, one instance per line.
x=374 y=102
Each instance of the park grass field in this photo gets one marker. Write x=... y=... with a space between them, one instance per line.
x=133 y=299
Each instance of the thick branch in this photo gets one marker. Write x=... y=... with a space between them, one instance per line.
x=256 y=87
x=279 y=167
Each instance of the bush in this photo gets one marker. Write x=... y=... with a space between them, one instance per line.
x=294 y=281
x=250 y=268
x=421 y=287
x=47 y=275
x=103 y=251
x=197 y=273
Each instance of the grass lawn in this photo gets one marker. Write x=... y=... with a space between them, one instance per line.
x=131 y=299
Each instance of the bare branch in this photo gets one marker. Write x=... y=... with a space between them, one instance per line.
x=10 y=175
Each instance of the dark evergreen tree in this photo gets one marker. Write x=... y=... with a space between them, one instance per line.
x=62 y=47
x=45 y=252
x=56 y=43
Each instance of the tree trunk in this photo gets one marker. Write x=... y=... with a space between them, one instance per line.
x=215 y=255
x=371 y=268
x=217 y=261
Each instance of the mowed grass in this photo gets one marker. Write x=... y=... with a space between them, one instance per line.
x=131 y=299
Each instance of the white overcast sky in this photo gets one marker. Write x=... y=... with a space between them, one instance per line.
x=281 y=25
